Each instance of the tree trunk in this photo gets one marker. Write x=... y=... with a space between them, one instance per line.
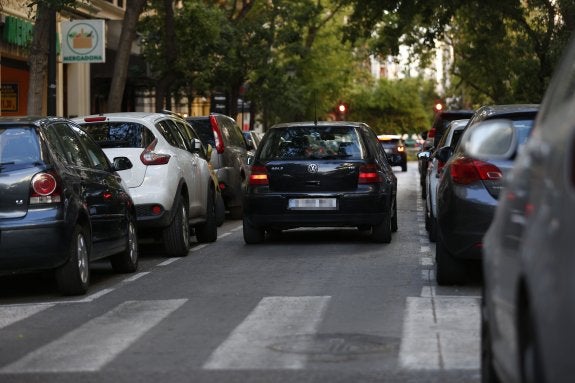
x=38 y=61
x=133 y=11
x=164 y=84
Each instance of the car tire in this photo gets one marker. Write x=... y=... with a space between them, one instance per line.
x=394 y=226
x=208 y=231
x=404 y=167
x=381 y=233
x=531 y=370
x=252 y=234
x=127 y=260
x=488 y=374
x=73 y=278
x=432 y=233
x=220 y=209
x=177 y=235
x=448 y=270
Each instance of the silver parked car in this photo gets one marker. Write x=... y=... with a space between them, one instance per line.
x=528 y=307
x=449 y=140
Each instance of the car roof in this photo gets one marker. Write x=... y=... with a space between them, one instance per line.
x=124 y=116
x=28 y=120
x=311 y=124
x=383 y=137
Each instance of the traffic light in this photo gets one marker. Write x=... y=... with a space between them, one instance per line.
x=341 y=111
x=438 y=106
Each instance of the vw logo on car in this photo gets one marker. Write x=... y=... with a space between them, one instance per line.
x=312 y=168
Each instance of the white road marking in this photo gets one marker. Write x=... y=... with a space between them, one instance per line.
x=169 y=261
x=238 y=228
x=247 y=347
x=440 y=333
x=136 y=276
x=224 y=235
x=426 y=261
x=425 y=249
x=92 y=297
x=15 y=313
x=92 y=345
x=199 y=247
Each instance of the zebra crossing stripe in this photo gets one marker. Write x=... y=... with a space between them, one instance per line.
x=440 y=333
x=248 y=346
x=97 y=342
x=13 y=314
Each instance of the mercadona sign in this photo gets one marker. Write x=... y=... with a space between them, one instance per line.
x=83 y=41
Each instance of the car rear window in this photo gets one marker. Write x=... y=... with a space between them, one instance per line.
x=311 y=142
x=19 y=146
x=204 y=129
x=390 y=143
x=119 y=134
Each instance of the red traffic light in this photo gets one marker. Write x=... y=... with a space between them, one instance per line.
x=438 y=106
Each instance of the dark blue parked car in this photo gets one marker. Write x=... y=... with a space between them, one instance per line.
x=468 y=191
x=62 y=204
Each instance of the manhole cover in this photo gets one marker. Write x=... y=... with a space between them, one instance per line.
x=331 y=347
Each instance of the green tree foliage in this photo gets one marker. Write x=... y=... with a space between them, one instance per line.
x=399 y=106
x=505 y=50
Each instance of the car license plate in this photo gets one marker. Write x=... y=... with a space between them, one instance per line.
x=312 y=204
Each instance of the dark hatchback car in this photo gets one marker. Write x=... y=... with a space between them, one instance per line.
x=62 y=204
x=394 y=147
x=229 y=157
x=327 y=174
x=440 y=123
x=468 y=191
x=528 y=305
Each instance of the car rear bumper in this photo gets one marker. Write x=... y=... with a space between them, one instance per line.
x=463 y=222
x=353 y=210
x=33 y=246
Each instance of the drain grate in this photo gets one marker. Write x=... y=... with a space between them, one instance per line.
x=334 y=347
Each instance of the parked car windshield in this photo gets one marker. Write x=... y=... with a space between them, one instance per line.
x=19 y=146
x=119 y=134
x=315 y=142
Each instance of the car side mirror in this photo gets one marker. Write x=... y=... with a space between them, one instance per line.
x=196 y=146
x=444 y=154
x=421 y=155
x=491 y=140
x=121 y=163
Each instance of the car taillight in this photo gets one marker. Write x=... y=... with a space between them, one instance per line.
x=431 y=133
x=368 y=174
x=259 y=175
x=219 y=141
x=465 y=171
x=45 y=189
x=149 y=157
x=400 y=149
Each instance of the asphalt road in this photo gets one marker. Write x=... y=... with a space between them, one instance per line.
x=310 y=306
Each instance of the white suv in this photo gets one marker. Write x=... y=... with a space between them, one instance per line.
x=170 y=182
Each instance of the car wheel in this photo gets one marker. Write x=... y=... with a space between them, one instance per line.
x=448 y=270
x=488 y=374
x=73 y=277
x=432 y=227
x=127 y=260
x=252 y=234
x=426 y=214
x=531 y=370
x=382 y=233
x=236 y=212
x=220 y=209
x=177 y=235
x=208 y=231
x=394 y=226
